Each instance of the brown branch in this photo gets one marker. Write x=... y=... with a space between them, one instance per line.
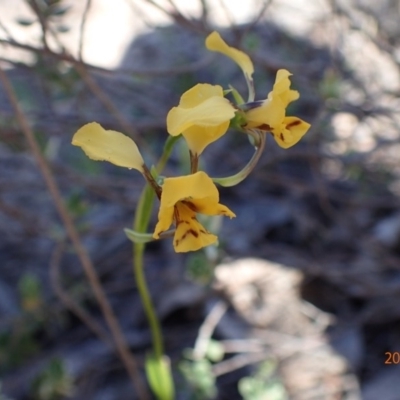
x=82 y=28
x=191 y=67
x=112 y=322
x=237 y=362
x=68 y=302
x=109 y=105
x=5 y=29
x=42 y=21
x=207 y=328
x=257 y=19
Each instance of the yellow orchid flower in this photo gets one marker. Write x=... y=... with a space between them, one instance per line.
x=270 y=114
x=181 y=199
x=107 y=145
x=202 y=116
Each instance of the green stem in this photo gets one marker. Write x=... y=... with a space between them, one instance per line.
x=241 y=175
x=138 y=253
x=140 y=224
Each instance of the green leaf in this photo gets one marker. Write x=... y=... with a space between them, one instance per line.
x=168 y=147
x=30 y=291
x=236 y=95
x=158 y=372
x=263 y=384
x=200 y=377
x=215 y=351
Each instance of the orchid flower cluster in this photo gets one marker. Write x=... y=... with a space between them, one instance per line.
x=203 y=116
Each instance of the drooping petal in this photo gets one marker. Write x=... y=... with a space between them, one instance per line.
x=211 y=112
x=214 y=42
x=190 y=235
x=165 y=218
x=290 y=132
x=107 y=145
x=282 y=89
x=199 y=137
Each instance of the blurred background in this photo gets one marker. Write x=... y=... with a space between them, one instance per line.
x=301 y=300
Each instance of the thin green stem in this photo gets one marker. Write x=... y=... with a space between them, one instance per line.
x=250 y=86
x=241 y=175
x=141 y=222
x=158 y=370
x=138 y=266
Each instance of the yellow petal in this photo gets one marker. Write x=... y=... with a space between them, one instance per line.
x=112 y=146
x=190 y=235
x=194 y=186
x=202 y=116
x=282 y=89
x=211 y=112
x=199 y=137
x=269 y=115
x=214 y=42
x=207 y=207
x=165 y=218
x=291 y=131
x=199 y=93
x=198 y=185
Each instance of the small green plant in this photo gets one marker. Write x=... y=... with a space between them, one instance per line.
x=30 y=292
x=18 y=341
x=200 y=378
x=263 y=385
x=197 y=368
x=53 y=383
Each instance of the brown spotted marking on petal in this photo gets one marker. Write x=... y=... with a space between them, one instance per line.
x=176 y=214
x=264 y=127
x=281 y=136
x=182 y=221
x=188 y=232
x=190 y=205
x=192 y=232
x=292 y=124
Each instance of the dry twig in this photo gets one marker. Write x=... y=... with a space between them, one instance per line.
x=207 y=328
x=69 y=303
